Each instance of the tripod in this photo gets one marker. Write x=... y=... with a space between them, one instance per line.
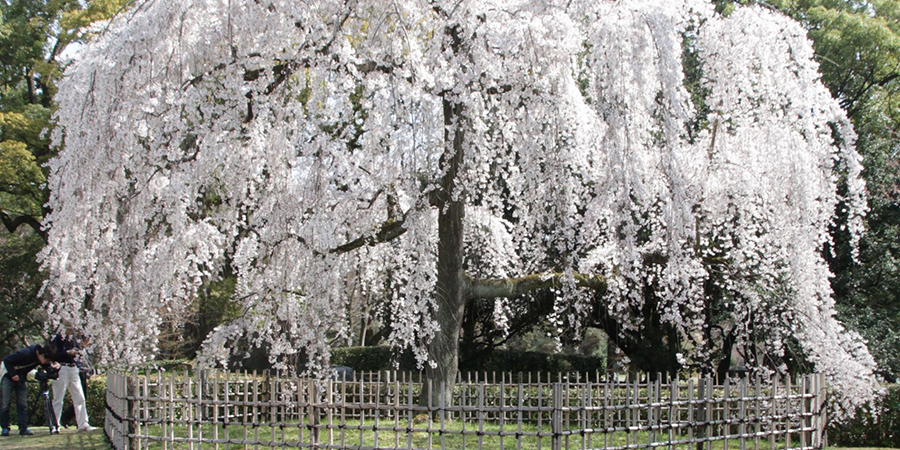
x=48 y=407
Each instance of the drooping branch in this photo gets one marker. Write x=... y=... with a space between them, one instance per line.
x=388 y=231
x=12 y=224
x=513 y=287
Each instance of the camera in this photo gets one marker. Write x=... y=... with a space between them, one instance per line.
x=45 y=374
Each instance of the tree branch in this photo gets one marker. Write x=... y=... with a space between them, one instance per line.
x=13 y=224
x=513 y=287
x=389 y=230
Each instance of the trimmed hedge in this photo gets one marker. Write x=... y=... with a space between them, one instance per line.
x=869 y=430
x=366 y=359
x=384 y=358
x=514 y=362
x=37 y=417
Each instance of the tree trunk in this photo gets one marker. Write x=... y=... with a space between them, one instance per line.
x=450 y=289
x=725 y=363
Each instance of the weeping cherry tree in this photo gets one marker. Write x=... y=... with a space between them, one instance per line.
x=446 y=151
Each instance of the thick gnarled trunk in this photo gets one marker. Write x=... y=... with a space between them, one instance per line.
x=450 y=289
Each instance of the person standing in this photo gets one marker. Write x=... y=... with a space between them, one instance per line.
x=13 y=373
x=85 y=372
x=67 y=348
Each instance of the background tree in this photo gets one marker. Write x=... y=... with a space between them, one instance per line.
x=34 y=35
x=858 y=48
x=439 y=154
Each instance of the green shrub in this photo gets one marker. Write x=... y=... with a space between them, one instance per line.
x=365 y=359
x=525 y=362
x=871 y=430
x=376 y=358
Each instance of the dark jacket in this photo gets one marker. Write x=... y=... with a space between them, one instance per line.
x=21 y=362
x=60 y=345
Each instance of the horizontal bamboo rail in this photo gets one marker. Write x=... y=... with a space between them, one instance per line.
x=223 y=410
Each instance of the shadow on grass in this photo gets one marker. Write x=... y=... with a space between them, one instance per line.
x=68 y=439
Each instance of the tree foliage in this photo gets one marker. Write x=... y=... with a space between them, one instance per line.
x=444 y=152
x=34 y=35
x=20 y=305
x=858 y=47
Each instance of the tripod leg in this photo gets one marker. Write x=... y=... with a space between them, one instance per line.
x=51 y=415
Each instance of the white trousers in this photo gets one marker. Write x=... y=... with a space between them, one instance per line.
x=69 y=380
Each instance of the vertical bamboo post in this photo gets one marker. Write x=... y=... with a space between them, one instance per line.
x=343 y=409
x=654 y=418
x=823 y=418
x=255 y=410
x=742 y=413
x=443 y=413
x=246 y=413
x=377 y=411
x=787 y=412
x=312 y=399
x=726 y=412
x=171 y=408
x=200 y=413
x=134 y=409
x=520 y=406
x=161 y=409
x=814 y=410
x=539 y=409
x=480 y=413
x=555 y=421
x=430 y=410
x=634 y=410
x=583 y=413
x=274 y=401
x=226 y=414
x=804 y=418
x=303 y=410
x=674 y=415
x=707 y=412
x=564 y=390
x=362 y=409
x=187 y=385
x=757 y=399
x=329 y=409
x=410 y=414
x=215 y=411
x=692 y=419
x=120 y=431
x=502 y=415
x=773 y=420
x=630 y=388
x=141 y=405
x=396 y=413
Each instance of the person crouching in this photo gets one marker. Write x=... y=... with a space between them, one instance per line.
x=13 y=374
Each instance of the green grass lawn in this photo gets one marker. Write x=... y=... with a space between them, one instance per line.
x=95 y=440
x=459 y=435
x=67 y=439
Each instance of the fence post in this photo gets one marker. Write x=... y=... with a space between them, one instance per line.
x=556 y=420
x=313 y=419
x=132 y=409
x=821 y=413
x=703 y=395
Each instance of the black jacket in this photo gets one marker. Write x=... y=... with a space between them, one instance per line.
x=61 y=345
x=21 y=362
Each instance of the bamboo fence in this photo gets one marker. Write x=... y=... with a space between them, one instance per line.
x=222 y=410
